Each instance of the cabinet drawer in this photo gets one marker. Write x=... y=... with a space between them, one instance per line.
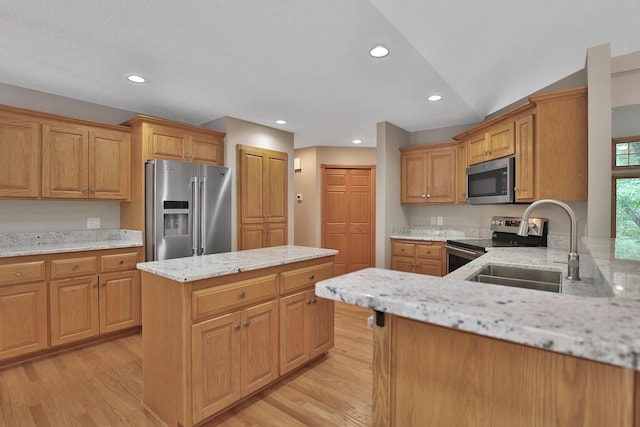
x=304 y=277
x=22 y=272
x=118 y=262
x=71 y=267
x=217 y=299
x=433 y=251
x=403 y=249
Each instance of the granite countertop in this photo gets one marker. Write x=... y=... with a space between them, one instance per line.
x=208 y=266
x=596 y=318
x=34 y=243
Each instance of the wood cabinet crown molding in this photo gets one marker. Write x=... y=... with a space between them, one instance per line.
x=141 y=119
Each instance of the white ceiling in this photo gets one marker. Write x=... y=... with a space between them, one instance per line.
x=307 y=61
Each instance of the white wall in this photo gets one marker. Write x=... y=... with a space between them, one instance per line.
x=240 y=132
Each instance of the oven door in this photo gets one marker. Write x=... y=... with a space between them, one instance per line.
x=457 y=257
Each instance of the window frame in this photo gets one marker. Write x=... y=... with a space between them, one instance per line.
x=616 y=141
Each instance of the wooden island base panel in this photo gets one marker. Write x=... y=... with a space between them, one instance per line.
x=212 y=341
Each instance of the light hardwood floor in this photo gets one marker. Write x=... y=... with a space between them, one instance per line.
x=101 y=385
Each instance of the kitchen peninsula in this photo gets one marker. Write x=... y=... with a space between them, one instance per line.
x=457 y=352
x=218 y=328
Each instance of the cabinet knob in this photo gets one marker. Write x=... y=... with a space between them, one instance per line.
x=75 y=267
x=246 y=324
x=92 y=189
x=121 y=262
x=18 y=273
x=314 y=301
x=423 y=196
x=241 y=295
x=84 y=189
x=313 y=276
x=236 y=327
x=428 y=195
x=309 y=302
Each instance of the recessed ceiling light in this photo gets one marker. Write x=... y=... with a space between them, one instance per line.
x=281 y=122
x=357 y=141
x=379 y=52
x=135 y=78
x=434 y=98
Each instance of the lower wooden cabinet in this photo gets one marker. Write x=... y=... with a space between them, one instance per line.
x=23 y=319
x=422 y=257
x=232 y=356
x=52 y=300
x=306 y=328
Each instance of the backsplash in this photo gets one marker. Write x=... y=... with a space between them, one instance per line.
x=8 y=240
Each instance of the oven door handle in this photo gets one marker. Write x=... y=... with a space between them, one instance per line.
x=464 y=251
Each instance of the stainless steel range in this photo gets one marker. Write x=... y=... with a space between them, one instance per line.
x=505 y=233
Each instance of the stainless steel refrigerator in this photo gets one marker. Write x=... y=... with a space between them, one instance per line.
x=188 y=209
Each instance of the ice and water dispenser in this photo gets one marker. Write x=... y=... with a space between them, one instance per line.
x=176 y=218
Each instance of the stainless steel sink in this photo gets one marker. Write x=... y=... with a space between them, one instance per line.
x=541 y=280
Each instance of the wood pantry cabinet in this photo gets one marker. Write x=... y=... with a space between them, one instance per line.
x=51 y=156
x=422 y=257
x=51 y=300
x=262 y=197
x=154 y=138
x=428 y=174
x=217 y=341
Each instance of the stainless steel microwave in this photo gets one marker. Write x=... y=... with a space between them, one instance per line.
x=491 y=182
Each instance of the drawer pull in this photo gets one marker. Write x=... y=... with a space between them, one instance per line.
x=313 y=276
x=75 y=267
x=18 y=273
x=241 y=295
x=246 y=324
x=121 y=262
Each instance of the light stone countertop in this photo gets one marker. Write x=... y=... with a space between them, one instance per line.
x=208 y=266
x=596 y=318
x=40 y=243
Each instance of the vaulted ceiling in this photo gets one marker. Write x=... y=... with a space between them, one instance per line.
x=307 y=62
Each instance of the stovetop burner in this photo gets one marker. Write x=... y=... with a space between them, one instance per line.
x=505 y=234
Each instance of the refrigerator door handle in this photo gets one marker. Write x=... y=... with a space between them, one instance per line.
x=195 y=224
x=203 y=237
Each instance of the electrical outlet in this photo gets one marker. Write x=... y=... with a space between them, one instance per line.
x=440 y=220
x=93 y=222
x=433 y=220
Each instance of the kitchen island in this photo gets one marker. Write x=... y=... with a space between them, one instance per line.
x=219 y=328
x=457 y=352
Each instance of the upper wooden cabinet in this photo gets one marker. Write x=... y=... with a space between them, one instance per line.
x=51 y=156
x=80 y=162
x=549 y=137
x=20 y=160
x=461 y=172
x=262 y=186
x=493 y=143
x=428 y=174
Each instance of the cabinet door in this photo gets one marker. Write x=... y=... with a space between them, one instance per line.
x=294 y=336
x=23 y=319
x=275 y=181
x=74 y=309
x=321 y=315
x=500 y=141
x=20 y=160
x=207 y=149
x=276 y=235
x=413 y=177
x=119 y=301
x=251 y=187
x=429 y=266
x=109 y=165
x=461 y=173
x=259 y=347
x=524 y=159
x=215 y=364
x=476 y=149
x=65 y=162
x=402 y=264
x=252 y=236
x=167 y=143
x=441 y=176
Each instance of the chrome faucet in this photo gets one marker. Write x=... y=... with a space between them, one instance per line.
x=573 y=272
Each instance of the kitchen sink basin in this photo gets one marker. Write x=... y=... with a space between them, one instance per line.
x=541 y=280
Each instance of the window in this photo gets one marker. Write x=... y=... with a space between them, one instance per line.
x=626 y=152
x=625 y=188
